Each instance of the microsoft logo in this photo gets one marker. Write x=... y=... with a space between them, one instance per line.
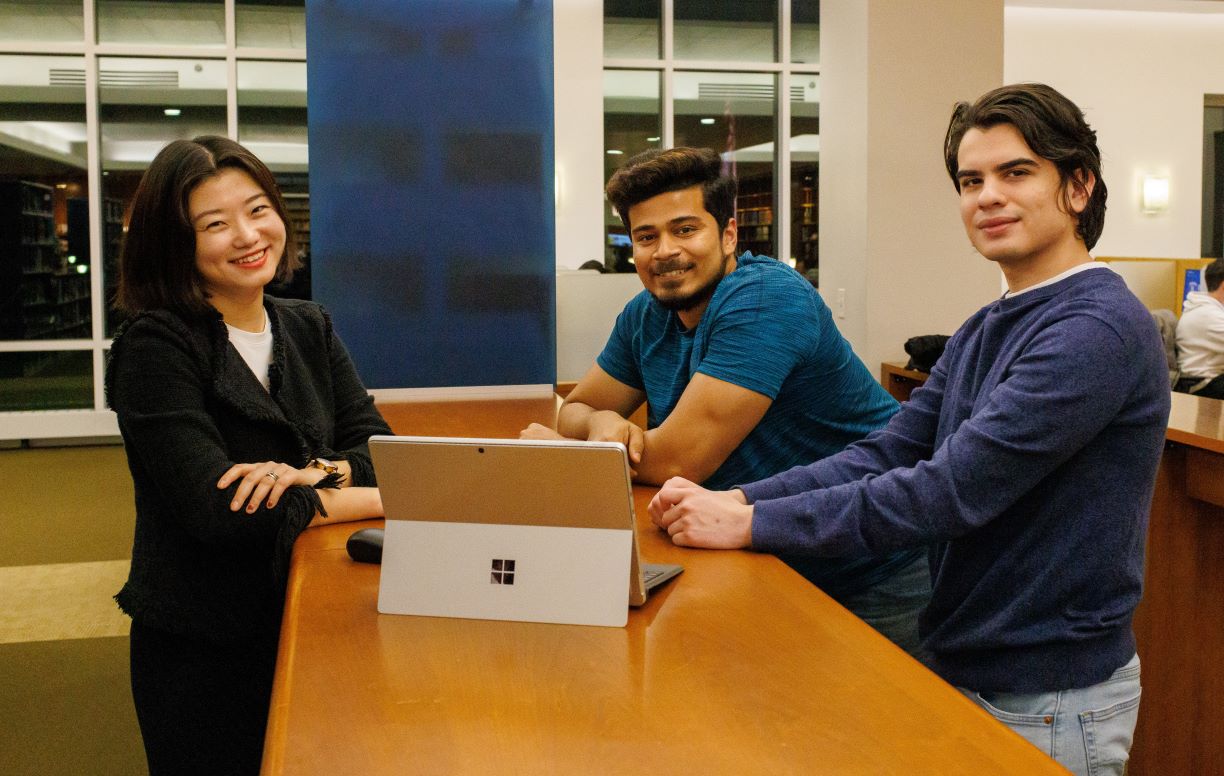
x=503 y=572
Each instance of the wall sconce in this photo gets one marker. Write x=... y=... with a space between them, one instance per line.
x=1155 y=194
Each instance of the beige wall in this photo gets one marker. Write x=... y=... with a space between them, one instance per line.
x=890 y=231
x=1140 y=78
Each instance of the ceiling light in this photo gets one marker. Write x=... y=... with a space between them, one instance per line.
x=652 y=140
x=707 y=121
x=615 y=152
x=173 y=112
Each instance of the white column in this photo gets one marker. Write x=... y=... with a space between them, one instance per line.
x=891 y=242
x=578 y=130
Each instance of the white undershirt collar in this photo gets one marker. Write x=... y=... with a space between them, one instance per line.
x=1060 y=276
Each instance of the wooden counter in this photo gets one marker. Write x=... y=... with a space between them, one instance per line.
x=737 y=666
x=1180 y=622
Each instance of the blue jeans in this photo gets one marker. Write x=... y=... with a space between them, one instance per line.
x=1087 y=730
x=892 y=606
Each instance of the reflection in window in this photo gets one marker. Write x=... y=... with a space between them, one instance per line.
x=197 y=23
x=743 y=31
x=631 y=28
x=632 y=124
x=733 y=113
x=44 y=213
x=272 y=125
x=271 y=23
x=804 y=174
x=144 y=104
x=805 y=31
x=42 y=21
x=56 y=380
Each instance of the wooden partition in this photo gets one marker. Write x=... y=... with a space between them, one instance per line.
x=1158 y=282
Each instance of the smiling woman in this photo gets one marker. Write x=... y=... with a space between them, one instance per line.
x=244 y=423
x=240 y=239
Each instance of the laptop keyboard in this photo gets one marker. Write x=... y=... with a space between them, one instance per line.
x=651 y=574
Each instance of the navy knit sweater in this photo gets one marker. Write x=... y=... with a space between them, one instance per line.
x=1028 y=462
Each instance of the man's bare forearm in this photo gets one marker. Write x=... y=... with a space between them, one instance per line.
x=661 y=461
x=574 y=420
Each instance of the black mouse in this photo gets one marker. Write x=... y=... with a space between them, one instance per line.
x=365 y=546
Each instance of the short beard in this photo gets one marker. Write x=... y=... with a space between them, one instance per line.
x=699 y=297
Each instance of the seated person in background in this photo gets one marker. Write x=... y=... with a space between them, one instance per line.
x=1030 y=454
x=594 y=264
x=742 y=369
x=1200 y=337
x=230 y=403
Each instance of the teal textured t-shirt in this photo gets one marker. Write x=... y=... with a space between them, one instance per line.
x=765 y=329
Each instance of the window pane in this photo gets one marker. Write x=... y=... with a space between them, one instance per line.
x=144 y=104
x=743 y=31
x=805 y=31
x=631 y=28
x=733 y=113
x=631 y=125
x=59 y=380
x=44 y=222
x=29 y=21
x=271 y=23
x=200 y=23
x=805 y=174
x=272 y=124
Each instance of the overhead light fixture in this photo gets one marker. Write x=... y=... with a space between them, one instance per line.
x=615 y=152
x=652 y=140
x=707 y=121
x=173 y=111
x=1155 y=194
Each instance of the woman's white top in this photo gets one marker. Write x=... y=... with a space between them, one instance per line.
x=255 y=349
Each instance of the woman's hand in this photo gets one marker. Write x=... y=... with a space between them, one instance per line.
x=266 y=480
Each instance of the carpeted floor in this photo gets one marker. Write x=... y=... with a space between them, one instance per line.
x=67 y=537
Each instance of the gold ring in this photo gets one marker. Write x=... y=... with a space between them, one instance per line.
x=273 y=475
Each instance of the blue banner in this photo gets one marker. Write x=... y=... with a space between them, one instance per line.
x=431 y=187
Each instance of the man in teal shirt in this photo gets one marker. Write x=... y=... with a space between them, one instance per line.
x=743 y=372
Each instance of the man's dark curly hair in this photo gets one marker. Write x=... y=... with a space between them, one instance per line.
x=655 y=172
x=1051 y=125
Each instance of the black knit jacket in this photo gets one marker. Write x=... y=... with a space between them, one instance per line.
x=189 y=408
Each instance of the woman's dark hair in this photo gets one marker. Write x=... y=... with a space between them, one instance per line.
x=157 y=268
x=1054 y=128
x=656 y=172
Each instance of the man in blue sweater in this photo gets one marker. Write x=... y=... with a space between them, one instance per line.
x=1028 y=458
x=743 y=372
